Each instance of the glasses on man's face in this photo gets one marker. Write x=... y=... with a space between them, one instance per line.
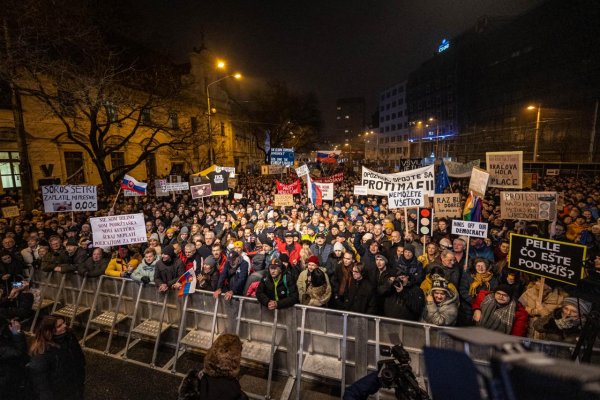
x=502 y=295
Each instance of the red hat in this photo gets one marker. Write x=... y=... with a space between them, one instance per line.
x=313 y=259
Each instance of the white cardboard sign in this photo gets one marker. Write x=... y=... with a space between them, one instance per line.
x=406 y=199
x=469 y=228
x=118 y=230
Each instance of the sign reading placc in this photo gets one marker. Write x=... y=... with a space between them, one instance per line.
x=469 y=228
x=406 y=199
x=118 y=230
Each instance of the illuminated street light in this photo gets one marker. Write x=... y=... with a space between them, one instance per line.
x=221 y=65
x=537 y=130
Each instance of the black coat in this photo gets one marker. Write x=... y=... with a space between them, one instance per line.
x=408 y=304
x=168 y=273
x=361 y=297
x=59 y=373
x=210 y=388
x=13 y=357
x=286 y=290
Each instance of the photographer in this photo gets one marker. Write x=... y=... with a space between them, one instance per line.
x=403 y=300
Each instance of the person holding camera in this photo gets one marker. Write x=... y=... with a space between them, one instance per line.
x=402 y=298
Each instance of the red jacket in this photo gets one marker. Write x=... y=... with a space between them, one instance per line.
x=519 y=327
x=294 y=255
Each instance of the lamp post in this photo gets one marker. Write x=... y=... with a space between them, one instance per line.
x=209 y=112
x=537 y=130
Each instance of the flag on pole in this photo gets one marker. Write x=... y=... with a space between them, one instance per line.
x=315 y=194
x=472 y=209
x=441 y=181
x=188 y=282
x=129 y=183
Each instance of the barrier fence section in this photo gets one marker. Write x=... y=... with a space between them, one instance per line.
x=301 y=343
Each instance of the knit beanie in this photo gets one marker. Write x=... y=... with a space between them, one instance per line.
x=584 y=307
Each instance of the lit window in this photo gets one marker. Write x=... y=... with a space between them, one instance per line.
x=9 y=169
x=347 y=116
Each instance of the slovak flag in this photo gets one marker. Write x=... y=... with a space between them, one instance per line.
x=315 y=194
x=129 y=183
x=328 y=156
x=188 y=282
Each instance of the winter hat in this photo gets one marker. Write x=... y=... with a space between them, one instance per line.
x=442 y=285
x=170 y=230
x=313 y=259
x=284 y=258
x=317 y=278
x=170 y=251
x=410 y=247
x=210 y=261
x=184 y=230
x=72 y=242
x=238 y=243
x=338 y=246
x=379 y=255
x=154 y=236
x=276 y=263
x=233 y=255
x=584 y=307
x=508 y=289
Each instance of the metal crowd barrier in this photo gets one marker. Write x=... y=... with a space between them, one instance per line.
x=301 y=343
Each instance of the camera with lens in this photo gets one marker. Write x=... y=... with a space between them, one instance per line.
x=396 y=373
x=398 y=281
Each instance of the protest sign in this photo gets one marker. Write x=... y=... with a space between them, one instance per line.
x=272 y=169
x=552 y=172
x=175 y=186
x=406 y=199
x=505 y=169
x=232 y=183
x=548 y=258
x=326 y=189
x=10 y=212
x=292 y=188
x=284 y=200
x=360 y=190
x=411 y=163
x=528 y=206
x=200 y=191
x=58 y=198
x=238 y=196
x=118 y=230
x=460 y=170
x=447 y=205
x=131 y=193
x=302 y=170
x=282 y=156
x=335 y=178
x=469 y=228
x=478 y=182
x=158 y=186
x=381 y=184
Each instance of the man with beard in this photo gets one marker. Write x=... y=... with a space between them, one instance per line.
x=277 y=289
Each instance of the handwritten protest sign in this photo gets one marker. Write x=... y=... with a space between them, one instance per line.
x=271 y=169
x=381 y=184
x=10 y=212
x=302 y=170
x=284 y=200
x=175 y=186
x=406 y=199
x=327 y=189
x=360 y=190
x=551 y=259
x=528 y=206
x=460 y=170
x=59 y=198
x=447 y=205
x=478 y=182
x=469 y=228
x=505 y=169
x=118 y=230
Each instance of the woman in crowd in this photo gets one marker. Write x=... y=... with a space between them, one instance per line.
x=564 y=323
x=478 y=277
x=313 y=284
x=499 y=311
x=441 y=307
x=552 y=297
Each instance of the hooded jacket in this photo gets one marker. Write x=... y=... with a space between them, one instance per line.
x=443 y=314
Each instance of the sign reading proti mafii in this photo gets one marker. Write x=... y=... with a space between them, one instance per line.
x=417 y=179
x=447 y=205
x=59 y=198
x=505 y=169
x=118 y=230
x=528 y=206
x=469 y=228
x=406 y=199
x=551 y=259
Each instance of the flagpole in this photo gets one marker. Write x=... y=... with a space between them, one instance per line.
x=116 y=198
x=406 y=220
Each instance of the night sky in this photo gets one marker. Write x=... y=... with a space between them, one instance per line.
x=337 y=48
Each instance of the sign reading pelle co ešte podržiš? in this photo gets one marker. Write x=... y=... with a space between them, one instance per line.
x=551 y=259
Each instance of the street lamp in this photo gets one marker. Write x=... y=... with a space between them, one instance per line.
x=209 y=111
x=537 y=130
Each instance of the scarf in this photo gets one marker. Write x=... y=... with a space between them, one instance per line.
x=496 y=317
x=478 y=280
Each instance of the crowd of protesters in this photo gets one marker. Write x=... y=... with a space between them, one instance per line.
x=353 y=253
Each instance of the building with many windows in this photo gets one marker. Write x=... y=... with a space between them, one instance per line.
x=393 y=134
